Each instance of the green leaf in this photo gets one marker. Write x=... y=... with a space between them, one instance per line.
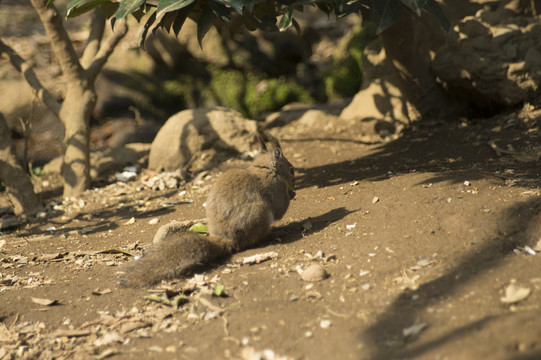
x=325 y=7
x=126 y=7
x=237 y=5
x=204 y=23
x=78 y=7
x=286 y=19
x=296 y=26
x=110 y=9
x=178 y=301
x=220 y=291
x=175 y=302
x=172 y=5
x=435 y=10
x=220 y=10
x=199 y=228
x=386 y=13
x=415 y=5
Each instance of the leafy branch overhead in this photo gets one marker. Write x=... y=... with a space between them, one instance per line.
x=267 y=15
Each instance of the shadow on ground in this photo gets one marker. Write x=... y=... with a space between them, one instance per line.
x=448 y=150
x=518 y=224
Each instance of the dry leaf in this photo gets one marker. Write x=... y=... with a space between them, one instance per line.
x=49 y=257
x=71 y=333
x=129 y=327
x=107 y=353
x=414 y=329
x=7 y=336
x=101 y=292
x=256 y=259
x=96 y=252
x=45 y=302
x=109 y=338
x=208 y=304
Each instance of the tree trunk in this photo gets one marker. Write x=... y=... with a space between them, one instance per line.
x=80 y=100
x=75 y=114
x=18 y=186
x=412 y=65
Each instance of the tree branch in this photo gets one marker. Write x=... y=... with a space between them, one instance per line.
x=106 y=50
x=60 y=41
x=97 y=25
x=30 y=76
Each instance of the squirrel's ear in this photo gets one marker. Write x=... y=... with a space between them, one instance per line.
x=273 y=141
x=267 y=141
x=261 y=140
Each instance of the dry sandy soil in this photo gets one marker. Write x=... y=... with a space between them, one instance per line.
x=428 y=239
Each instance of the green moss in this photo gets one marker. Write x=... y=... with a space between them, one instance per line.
x=249 y=93
x=227 y=87
x=252 y=94
x=345 y=76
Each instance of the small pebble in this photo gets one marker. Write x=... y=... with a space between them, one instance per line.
x=366 y=286
x=314 y=272
x=325 y=324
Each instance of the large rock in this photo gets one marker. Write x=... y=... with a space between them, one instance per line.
x=492 y=59
x=380 y=102
x=191 y=131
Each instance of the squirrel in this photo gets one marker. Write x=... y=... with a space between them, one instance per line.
x=240 y=209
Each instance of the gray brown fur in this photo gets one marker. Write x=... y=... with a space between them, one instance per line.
x=240 y=208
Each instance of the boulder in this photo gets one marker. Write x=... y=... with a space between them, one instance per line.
x=191 y=131
x=380 y=100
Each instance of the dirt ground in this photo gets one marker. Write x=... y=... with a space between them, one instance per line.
x=429 y=241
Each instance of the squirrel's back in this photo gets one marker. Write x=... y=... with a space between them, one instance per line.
x=237 y=209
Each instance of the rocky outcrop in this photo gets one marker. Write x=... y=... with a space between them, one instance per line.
x=492 y=59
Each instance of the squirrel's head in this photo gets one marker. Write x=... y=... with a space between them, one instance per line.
x=273 y=157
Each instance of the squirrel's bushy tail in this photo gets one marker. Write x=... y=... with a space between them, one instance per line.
x=174 y=255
